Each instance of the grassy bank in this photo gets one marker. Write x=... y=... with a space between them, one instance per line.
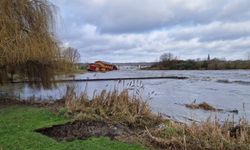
x=117 y=115
x=17 y=125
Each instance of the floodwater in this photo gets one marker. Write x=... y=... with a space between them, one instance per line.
x=226 y=90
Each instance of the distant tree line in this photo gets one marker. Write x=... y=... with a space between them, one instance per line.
x=169 y=62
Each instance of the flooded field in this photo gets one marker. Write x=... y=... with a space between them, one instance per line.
x=227 y=90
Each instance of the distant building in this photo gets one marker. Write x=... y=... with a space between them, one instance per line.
x=134 y=66
x=101 y=66
x=208 y=57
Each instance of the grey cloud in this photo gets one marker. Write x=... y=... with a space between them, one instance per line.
x=141 y=30
x=125 y=16
x=213 y=31
x=149 y=46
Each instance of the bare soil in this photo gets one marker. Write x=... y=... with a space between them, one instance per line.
x=52 y=104
x=83 y=130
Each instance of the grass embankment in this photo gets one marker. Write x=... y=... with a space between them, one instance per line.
x=17 y=125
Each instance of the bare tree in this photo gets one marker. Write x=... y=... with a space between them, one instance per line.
x=71 y=54
x=166 y=57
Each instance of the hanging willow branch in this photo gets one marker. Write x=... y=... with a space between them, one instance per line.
x=27 y=45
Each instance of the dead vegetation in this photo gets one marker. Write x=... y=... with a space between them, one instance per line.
x=210 y=135
x=207 y=107
x=203 y=106
x=113 y=106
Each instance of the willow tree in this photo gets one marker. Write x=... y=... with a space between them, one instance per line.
x=27 y=44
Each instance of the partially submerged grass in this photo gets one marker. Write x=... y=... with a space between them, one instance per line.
x=203 y=106
x=207 y=107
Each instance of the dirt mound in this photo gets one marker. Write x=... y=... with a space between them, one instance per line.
x=83 y=130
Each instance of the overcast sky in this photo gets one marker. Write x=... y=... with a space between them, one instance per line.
x=142 y=30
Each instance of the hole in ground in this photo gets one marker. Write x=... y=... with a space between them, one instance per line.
x=83 y=130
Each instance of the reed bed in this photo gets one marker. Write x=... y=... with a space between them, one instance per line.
x=115 y=106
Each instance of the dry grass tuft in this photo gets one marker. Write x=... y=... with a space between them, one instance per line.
x=112 y=106
x=209 y=135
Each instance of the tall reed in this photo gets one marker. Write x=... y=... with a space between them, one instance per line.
x=116 y=106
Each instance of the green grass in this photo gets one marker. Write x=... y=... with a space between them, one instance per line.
x=17 y=125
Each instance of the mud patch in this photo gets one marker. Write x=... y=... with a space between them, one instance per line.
x=83 y=130
x=32 y=102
